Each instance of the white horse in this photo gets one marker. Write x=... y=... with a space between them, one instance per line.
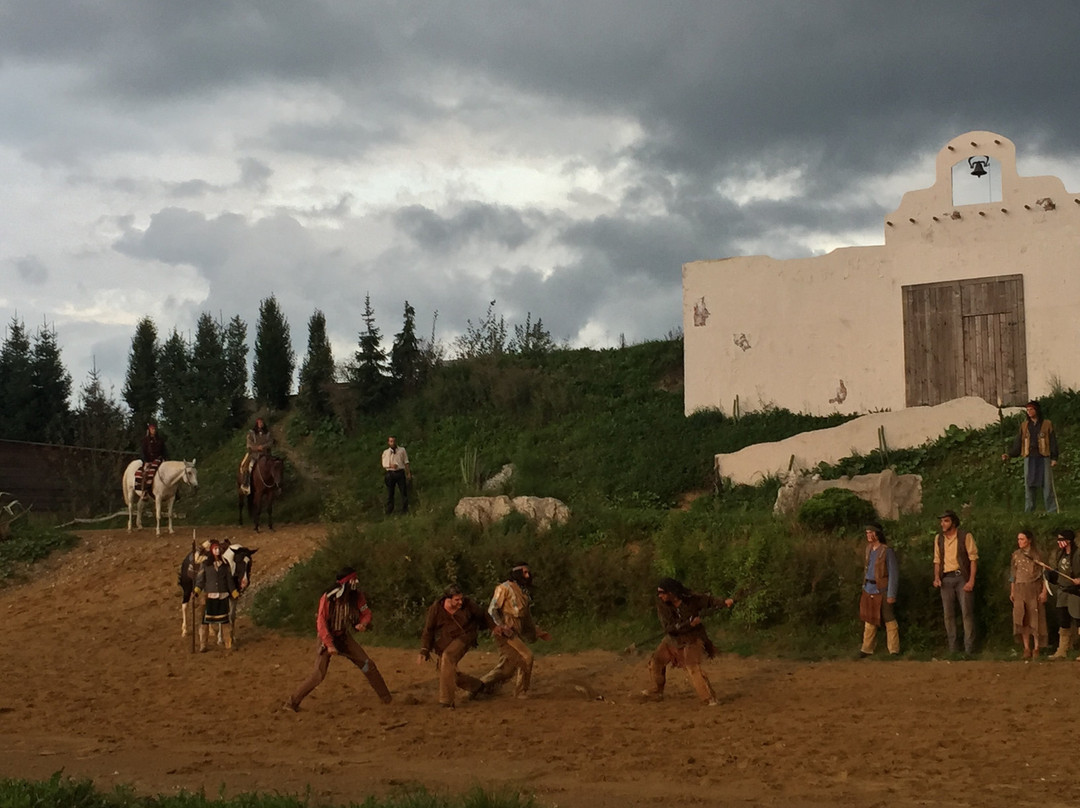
x=167 y=480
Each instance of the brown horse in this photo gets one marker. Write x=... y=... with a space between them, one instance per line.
x=266 y=477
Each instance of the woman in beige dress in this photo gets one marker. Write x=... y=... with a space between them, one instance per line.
x=1028 y=595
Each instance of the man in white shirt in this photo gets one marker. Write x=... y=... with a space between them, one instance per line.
x=395 y=463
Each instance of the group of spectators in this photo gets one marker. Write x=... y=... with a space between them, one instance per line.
x=1032 y=581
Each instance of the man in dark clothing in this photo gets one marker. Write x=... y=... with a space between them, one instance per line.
x=258 y=442
x=342 y=606
x=451 y=628
x=1037 y=443
x=153 y=453
x=685 y=642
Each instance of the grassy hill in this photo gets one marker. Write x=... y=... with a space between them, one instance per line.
x=604 y=431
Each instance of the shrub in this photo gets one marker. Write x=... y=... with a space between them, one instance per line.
x=835 y=509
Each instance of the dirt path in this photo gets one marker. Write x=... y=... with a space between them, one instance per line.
x=96 y=680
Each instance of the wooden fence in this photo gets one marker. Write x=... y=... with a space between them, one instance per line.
x=67 y=480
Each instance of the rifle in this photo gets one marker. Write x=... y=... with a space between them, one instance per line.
x=739 y=594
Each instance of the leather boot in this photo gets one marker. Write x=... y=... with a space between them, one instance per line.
x=1064 y=644
x=202 y=638
x=227 y=631
x=892 y=636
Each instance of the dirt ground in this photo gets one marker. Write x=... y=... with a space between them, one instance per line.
x=95 y=680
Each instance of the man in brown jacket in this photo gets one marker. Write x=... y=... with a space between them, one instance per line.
x=685 y=641
x=450 y=630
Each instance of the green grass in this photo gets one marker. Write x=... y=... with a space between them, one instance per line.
x=65 y=792
x=32 y=539
x=605 y=432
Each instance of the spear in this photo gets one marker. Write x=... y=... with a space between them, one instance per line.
x=191 y=599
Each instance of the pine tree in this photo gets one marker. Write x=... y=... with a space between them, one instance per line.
x=142 y=390
x=16 y=384
x=174 y=371
x=50 y=420
x=368 y=375
x=317 y=372
x=98 y=421
x=406 y=357
x=209 y=382
x=236 y=370
x=275 y=359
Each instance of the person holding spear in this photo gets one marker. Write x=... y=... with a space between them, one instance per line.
x=1066 y=566
x=1037 y=443
x=685 y=641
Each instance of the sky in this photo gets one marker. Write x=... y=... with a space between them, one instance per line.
x=563 y=159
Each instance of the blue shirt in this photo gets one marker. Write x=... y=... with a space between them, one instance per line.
x=891 y=566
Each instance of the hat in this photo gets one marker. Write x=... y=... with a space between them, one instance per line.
x=672 y=587
x=879 y=531
x=951 y=515
x=1067 y=535
x=345 y=574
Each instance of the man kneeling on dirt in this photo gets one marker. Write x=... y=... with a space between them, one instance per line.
x=685 y=640
x=341 y=606
x=451 y=628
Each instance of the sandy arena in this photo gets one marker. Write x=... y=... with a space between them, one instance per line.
x=96 y=681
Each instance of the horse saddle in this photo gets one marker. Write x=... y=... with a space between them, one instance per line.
x=144 y=477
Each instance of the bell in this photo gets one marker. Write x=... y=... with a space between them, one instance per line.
x=977 y=169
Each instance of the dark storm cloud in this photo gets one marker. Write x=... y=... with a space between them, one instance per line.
x=497 y=224
x=672 y=109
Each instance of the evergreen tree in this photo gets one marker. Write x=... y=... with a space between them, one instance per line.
x=406 y=356
x=16 y=384
x=368 y=375
x=236 y=370
x=142 y=391
x=174 y=371
x=209 y=387
x=275 y=359
x=98 y=421
x=50 y=420
x=317 y=372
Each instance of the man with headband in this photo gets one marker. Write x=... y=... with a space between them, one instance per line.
x=685 y=642
x=341 y=607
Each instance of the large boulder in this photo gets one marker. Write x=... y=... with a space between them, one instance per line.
x=541 y=511
x=890 y=493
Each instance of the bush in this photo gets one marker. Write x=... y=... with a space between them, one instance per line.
x=836 y=509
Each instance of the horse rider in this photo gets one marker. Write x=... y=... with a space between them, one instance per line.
x=259 y=442
x=153 y=453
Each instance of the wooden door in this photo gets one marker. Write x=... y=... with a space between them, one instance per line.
x=965 y=338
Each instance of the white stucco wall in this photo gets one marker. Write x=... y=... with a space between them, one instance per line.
x=786 y=332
